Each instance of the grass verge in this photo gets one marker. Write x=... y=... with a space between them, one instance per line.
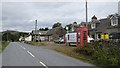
x=97 y=53
x=43 y=43
x=3 y=45
x=70 y=51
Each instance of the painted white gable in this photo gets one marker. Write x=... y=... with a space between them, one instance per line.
x=28 y=38
x=114 y=20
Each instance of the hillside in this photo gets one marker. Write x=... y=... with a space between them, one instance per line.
x=11 y=35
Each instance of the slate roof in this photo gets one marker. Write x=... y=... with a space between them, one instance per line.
x=39 y=32
x=104 y=24
x=94 y=17
x=58 y=30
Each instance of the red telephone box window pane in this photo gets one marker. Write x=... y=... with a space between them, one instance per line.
x=84 y=35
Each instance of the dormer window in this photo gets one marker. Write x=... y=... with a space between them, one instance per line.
x=114 y=21
x=94 y=20
x=93 y=26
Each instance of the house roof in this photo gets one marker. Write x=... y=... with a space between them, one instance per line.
x=58 y=30
x=104 y=24
x=94 y=17
x=39 y=32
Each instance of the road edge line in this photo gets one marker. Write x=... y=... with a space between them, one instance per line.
x=43 y=64
x=30 y=53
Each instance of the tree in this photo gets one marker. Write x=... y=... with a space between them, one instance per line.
x=74 y=22
x=10 y=37
x=82 y=23
x=42 y=29
x=46 y=28
x=69 y=26
x=56 y=25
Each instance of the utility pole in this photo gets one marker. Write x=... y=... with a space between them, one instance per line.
x=7 y=35
x=35 y=29
x=86 y=14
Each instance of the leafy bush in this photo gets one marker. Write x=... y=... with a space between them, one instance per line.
x=102 y=53
x=3 y=45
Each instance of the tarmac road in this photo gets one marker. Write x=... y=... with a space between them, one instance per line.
x=20 y=54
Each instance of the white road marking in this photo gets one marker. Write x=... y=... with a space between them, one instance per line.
x=30 y=53
x=43 y=64
x=24 y=48
x=34 y=57
x=21 y=46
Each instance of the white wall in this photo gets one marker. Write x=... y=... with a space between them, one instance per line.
x=42 y=38
x=93 y=25
x=20 y=39
x=28 y=38
x=119 y=7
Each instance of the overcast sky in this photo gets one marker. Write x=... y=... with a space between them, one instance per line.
x=21 y=16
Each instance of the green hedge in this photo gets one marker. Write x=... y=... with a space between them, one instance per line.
x=102 y=53
x=3 y=45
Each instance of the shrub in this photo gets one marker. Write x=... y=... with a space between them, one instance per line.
x=102 y=53
x=3 y=45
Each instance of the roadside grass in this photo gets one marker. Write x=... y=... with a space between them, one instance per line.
x=101 y=54
x=3 y=45
x=67 y=50
x=70 y=51
x=43 y=43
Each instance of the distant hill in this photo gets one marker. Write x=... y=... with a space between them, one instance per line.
x=12 y=35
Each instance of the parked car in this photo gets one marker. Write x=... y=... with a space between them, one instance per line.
x=59 y=41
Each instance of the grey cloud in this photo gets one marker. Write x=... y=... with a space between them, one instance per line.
x=59 y=0
x=21 y=15
x=102 y=9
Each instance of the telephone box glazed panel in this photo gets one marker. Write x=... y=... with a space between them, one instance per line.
x=83 y=30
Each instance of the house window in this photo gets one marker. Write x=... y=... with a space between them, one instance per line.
x=99 y=36
x=114 y=21
x=93 y=26
x=93 y=36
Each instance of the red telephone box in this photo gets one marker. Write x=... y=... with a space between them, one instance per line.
x=83 y=30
